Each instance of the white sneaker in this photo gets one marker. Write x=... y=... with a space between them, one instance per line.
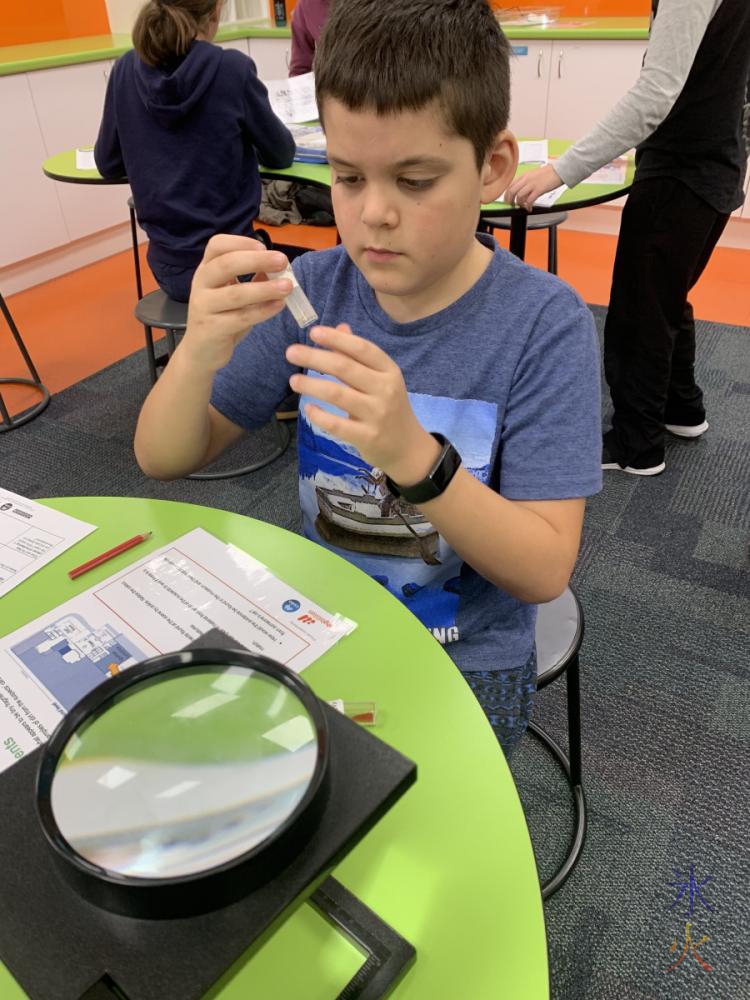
x=653 y=470
x=687 y=430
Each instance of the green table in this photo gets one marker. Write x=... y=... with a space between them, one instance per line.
x=62 y=167
x=450 y=866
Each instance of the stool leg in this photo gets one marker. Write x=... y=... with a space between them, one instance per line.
x=171 y=341
x=19 y=340
x=572 y=677
x=150 y=354
x=552 y=250
x=6 y=418
x=136 y=255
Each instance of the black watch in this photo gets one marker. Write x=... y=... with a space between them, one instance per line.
x=437 y=479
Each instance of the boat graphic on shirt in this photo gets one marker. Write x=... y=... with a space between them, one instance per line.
x=347 y=508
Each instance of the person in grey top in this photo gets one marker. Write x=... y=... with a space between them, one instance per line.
x=687 y=116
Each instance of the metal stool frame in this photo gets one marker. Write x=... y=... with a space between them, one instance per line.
x=572 y=765
x=534 y=222
x=8 y=423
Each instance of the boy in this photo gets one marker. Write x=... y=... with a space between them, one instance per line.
x=423 y=329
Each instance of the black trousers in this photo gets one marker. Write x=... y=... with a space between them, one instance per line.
x=667 y=236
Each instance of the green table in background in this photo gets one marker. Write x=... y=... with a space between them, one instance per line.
x=450 y=867
x=581 y=196
x=62 y=167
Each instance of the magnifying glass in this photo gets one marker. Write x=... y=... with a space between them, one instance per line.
x=185 y=782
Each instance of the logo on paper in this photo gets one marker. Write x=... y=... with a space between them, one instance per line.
x=291 y=605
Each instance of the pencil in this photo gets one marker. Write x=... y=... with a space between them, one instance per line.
x=109 y=554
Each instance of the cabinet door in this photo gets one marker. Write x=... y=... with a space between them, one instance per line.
x=530 y=69
x=69 y=102
x=586 y=80
x=271 y=56
x=32 y=220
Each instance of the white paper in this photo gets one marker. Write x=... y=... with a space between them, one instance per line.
x=612 y=173
x=533 y=151
x=548 y=200
x=85 y=159
x=156 y=605
x=31 y=535
x=293 y=100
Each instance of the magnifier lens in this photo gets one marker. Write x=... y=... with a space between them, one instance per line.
x=184 y=772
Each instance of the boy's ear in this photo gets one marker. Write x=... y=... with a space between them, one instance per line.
x=499 y=167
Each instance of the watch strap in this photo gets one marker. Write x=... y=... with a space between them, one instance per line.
x=437 y=479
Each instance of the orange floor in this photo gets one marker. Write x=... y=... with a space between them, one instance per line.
x=83 y=321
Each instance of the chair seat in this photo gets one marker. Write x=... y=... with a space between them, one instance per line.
x=157 y=309
x=533 y=221
x=559 y=632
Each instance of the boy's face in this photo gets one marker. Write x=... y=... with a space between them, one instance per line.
x=406 y=195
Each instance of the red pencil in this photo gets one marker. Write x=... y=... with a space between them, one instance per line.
x=109 y=554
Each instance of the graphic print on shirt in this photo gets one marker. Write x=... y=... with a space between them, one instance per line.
x=347 y=508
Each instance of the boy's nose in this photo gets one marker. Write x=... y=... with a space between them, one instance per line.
x=378 y=209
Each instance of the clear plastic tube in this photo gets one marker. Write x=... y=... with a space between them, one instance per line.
x=296 y=301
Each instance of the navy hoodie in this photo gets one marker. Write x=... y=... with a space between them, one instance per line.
x=188 y=136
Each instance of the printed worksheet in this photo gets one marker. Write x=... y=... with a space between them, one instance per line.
x=293 y=99
x=31 y=535
x=611 y=173
x=156 y=605
x=550 y=198
x=533 y=151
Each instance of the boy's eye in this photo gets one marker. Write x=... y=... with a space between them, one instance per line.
x=348 y=180
x=414 y=184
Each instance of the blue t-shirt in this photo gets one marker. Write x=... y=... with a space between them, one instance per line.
x=509 y=373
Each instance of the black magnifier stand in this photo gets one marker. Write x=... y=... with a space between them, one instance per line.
x=58 y=944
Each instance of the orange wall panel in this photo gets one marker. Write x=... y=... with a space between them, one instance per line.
x=47 y=20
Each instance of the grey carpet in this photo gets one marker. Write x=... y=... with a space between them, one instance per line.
x=663 y=578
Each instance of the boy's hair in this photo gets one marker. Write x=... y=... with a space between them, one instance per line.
x=394 y=55
x=165 y=29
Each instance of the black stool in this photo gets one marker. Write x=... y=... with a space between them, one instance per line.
x=559 y=633
x=549 y=222
x=157 y=310
x=7 y=422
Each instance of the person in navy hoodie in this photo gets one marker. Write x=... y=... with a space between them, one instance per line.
x=187 y=122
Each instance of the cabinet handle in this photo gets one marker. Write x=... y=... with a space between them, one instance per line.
x=286 y=58
x=560 y=65
x=105 y=73
x=540 y=60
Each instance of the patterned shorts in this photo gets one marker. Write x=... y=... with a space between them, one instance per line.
x=507 y=697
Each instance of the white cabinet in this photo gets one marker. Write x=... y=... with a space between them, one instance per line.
x=32 y=220
x=68 y=101
x=562 y=89
x=586 y=80
x=238 y=44
x=271 y=57
x=530 y=79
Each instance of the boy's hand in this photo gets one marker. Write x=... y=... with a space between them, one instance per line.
x=381 y=423
x=525 y=189
x=222 y=309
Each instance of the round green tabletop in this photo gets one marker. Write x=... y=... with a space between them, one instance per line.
x=450 y=866
x=581 y=196
x=62 y=167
